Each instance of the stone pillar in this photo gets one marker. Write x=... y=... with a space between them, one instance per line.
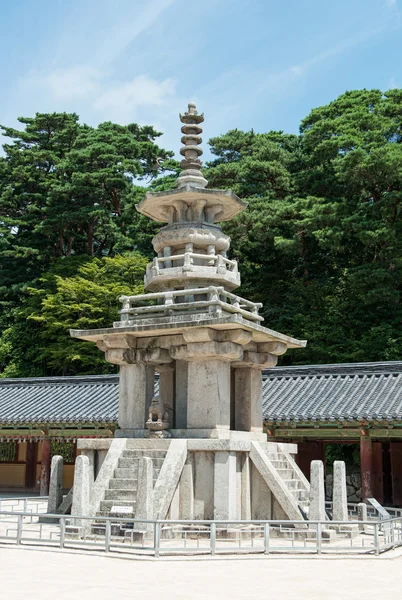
x=136 y=389
x=45 y=467
x=166 y=390
x=187 y=490
x=366 y=466
x=91 y=458
x=246 y=489
x=181 y=394
x=362 y=516
x=56 y=485
x=317 y=491
x=208 y=395
x=225 y=485
x=80 y=506
x=339 y=494
x=145 y=494
x=248 y=399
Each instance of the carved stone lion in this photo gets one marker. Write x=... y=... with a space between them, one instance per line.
x=157 y=411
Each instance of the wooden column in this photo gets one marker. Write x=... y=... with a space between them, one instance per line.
x=45 y=467
x=366 y=462
x=30 y=465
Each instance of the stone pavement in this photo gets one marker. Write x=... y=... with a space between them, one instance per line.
x=49 y=574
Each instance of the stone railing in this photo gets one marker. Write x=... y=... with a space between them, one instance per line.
x=215 y=300
x=190 y=261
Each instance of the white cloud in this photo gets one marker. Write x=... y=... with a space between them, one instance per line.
x=393 y=84
x=76 y=82
x=122 y=100
x=390 y=3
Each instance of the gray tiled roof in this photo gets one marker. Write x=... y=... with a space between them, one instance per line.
x=356 y=391
x=91 y=399
x=308 y=393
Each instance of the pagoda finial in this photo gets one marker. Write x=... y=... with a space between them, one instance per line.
x=191 y=164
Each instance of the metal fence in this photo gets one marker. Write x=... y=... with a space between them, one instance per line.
x=158 y=538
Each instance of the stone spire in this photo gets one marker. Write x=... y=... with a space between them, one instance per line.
x=191 y=164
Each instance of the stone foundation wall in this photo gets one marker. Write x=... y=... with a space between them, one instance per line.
x=353 y=487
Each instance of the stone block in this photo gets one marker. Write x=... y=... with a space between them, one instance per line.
x=225 y=499
x=145 y=494
x=55 y=485
x=209 y=395
x=339 y=493
x=248 y=399
x=81 y=489
x=317 y=492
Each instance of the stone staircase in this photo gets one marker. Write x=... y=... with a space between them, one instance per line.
x=123 y=487
x=293 y=478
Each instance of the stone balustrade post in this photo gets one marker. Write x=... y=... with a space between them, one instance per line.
x=317 y=491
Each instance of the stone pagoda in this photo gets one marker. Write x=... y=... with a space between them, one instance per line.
x=196 y=450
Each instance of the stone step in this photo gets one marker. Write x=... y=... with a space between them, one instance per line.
x=129 y=463
x=276 y=456
x=123 y=484
x=280 y=464
x=117 y=495
x=123 y=473
x=106 y=506
x=144 y=453
x=292 y=484
x=127 y=472
x=286 y=474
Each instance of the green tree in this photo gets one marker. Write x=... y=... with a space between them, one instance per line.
x=63 y=190
x=77 y=293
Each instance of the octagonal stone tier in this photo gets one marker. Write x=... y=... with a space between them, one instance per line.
x=191 y=204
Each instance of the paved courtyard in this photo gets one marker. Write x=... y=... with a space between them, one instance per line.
x=47 y=574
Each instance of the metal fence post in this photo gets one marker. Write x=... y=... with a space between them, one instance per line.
x=62 y=524
x=319 y=537
x=376 y=541
x=157 y=539
x=213 y=538
x=107 y=536
x=266 y=538
x=19 y=529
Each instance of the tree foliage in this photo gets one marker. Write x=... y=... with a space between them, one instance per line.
x=321 y=241
x=77 y=293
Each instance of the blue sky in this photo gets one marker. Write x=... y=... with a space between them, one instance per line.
x=261 y=64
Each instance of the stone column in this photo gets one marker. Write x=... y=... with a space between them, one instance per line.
x=45 y=467
x=80 y=506
x=317 y=491
x=246 y=489
x=339 y=494
x=145 y=494
x=225 y=485
x=91 y=458
x=208 y=395
x=136 y=389
x=187 y=490
x=362 y=516
x=366 y=466
x=56 y=485
x=248 y=399
x=181 y=394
